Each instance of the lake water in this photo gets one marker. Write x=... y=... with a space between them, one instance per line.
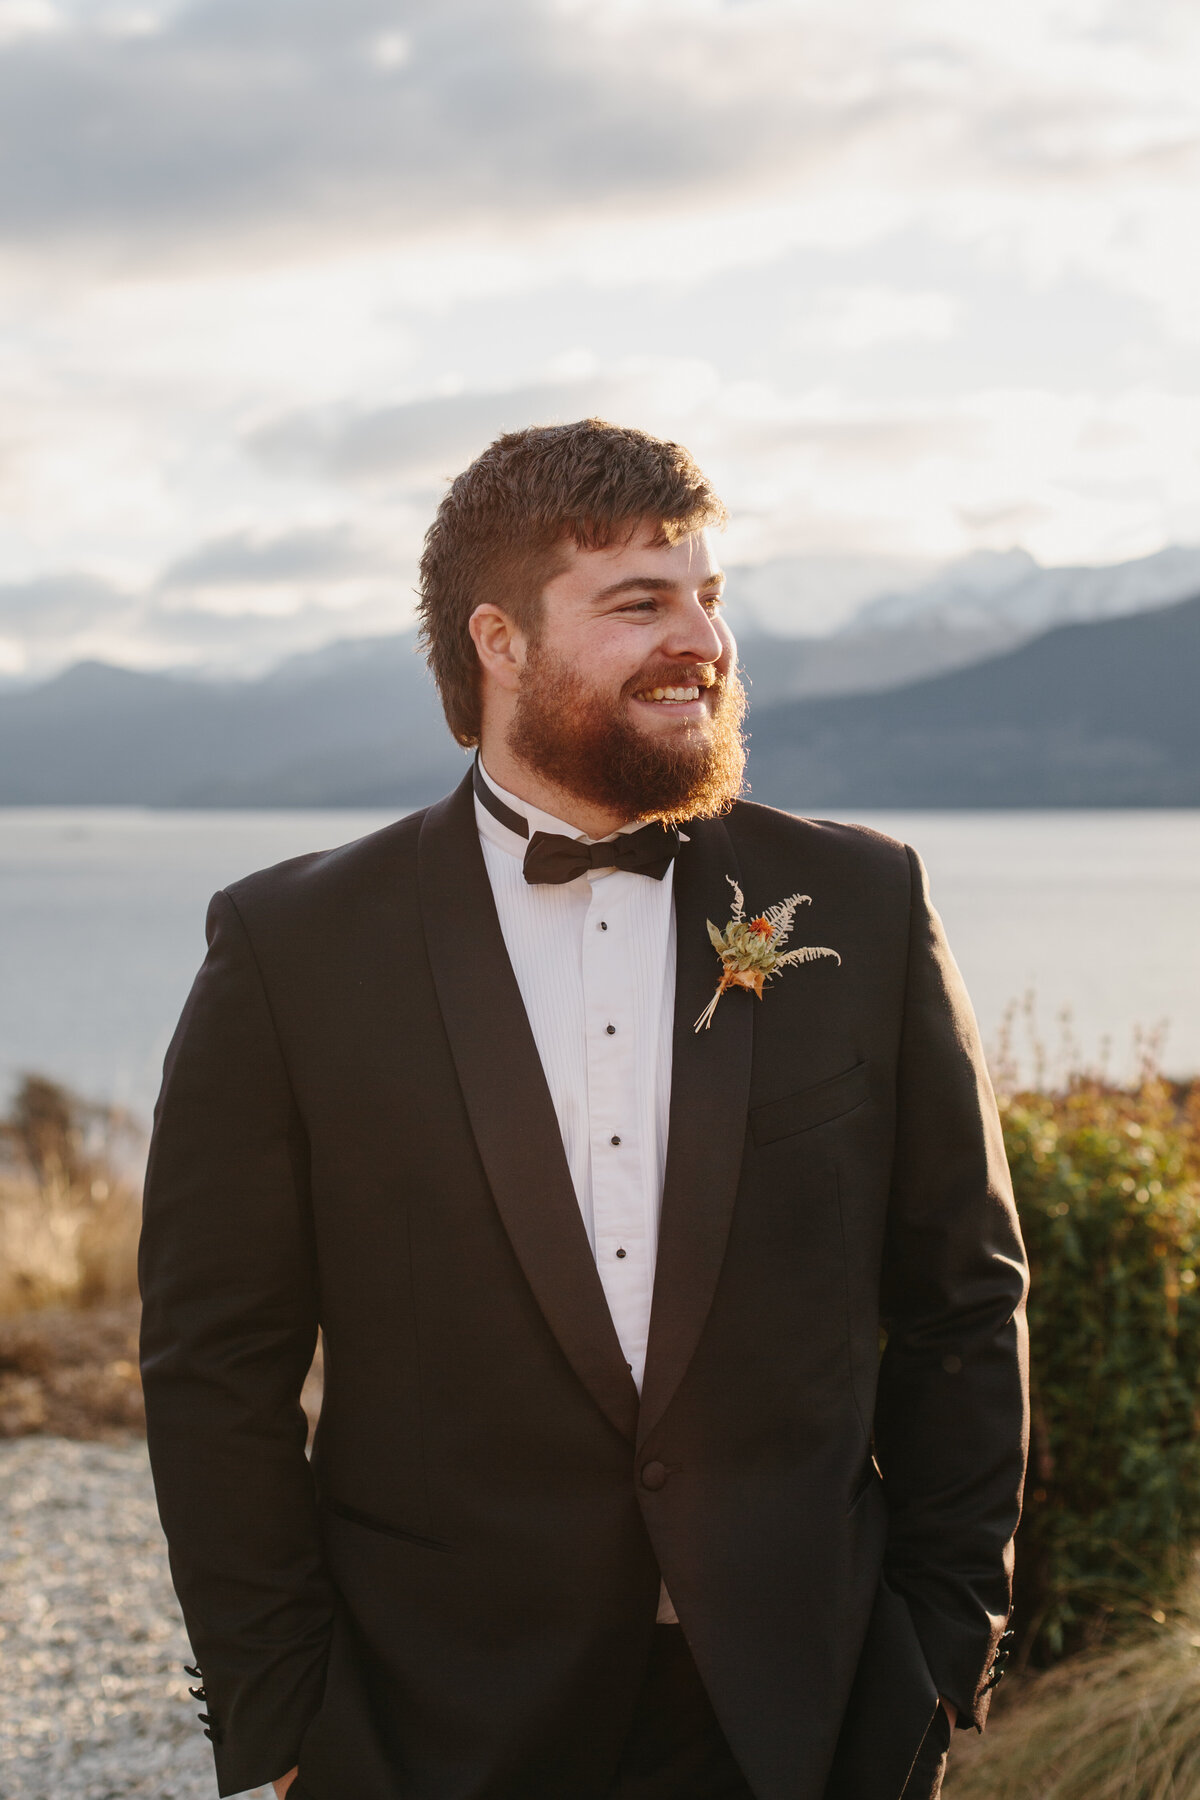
x=102 y=925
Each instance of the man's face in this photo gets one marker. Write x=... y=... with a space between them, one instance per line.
x=629 y=696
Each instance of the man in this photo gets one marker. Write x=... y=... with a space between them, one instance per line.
x=612 y=1497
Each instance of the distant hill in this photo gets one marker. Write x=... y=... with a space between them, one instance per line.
x=927 y=623
x=359 y=728
x=790 y=668
x=357 y=723
x=1101 y=714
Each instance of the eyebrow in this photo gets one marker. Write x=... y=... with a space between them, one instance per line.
x=659 y=584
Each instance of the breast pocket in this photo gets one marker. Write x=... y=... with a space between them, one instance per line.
x=811 y=1106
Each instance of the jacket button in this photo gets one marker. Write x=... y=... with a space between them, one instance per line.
x=654 y=1476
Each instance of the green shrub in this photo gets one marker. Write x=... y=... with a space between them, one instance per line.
x=1108 y=1190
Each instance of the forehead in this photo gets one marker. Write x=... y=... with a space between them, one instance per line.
x=691 y=562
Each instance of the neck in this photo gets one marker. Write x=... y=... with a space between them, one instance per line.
x=528 y=785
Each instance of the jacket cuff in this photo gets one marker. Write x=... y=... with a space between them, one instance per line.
x=964 y=1664
x=256 y=1726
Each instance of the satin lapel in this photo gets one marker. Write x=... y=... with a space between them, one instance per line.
x=710 y=1087
x=509 y=1104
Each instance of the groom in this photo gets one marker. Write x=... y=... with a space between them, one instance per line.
x=613 y=1497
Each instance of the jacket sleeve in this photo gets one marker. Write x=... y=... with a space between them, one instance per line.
x=229 y=1325
x=951 y=1427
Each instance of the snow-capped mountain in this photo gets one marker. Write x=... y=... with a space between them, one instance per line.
x=1009 y=589
x=812 y=596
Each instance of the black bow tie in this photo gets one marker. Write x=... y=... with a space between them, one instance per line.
x=648 y=851
x=552 y=857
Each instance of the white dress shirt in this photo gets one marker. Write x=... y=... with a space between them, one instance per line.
x=594 y=959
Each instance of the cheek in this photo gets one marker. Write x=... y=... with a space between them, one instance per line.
x=615 y=657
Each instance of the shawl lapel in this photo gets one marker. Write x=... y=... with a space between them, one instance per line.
x=710 y=1086
x=508 y=1102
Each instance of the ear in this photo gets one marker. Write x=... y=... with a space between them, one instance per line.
x=501 y=646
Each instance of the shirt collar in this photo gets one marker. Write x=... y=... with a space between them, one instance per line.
x=499 y=834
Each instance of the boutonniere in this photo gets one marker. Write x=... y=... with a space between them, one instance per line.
x=751 y=950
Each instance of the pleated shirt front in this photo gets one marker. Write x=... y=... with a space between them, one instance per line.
x=594 y=960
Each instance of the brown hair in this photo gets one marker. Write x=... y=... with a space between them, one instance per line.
x=499 y=532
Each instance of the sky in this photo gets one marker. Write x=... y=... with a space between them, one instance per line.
x=912 y=278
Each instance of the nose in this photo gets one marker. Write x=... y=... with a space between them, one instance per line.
x=696 y=635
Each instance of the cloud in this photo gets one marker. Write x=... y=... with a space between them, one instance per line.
x=62 y=617
x=893 y=440
x=858 y=318
x=805 y=470
x=274 y=123
x=55 y=606
x=423 y=439
x=27 y=18
x=301 y=117
x=149 y=635
x=246 y=640
x=236 y=603
x=907 y=276
x=242 y=559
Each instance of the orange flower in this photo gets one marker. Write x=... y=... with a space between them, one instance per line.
x=751 y=950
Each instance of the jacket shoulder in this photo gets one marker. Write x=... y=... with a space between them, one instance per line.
x=322 y=880
x=855 y=852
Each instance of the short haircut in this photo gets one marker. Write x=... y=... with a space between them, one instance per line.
x=500 y=531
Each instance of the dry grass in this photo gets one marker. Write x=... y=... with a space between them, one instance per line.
x=64 y=1244
x=1120 y=1724
x=71 y=1373
x=68 y=1272
x=68 y=1220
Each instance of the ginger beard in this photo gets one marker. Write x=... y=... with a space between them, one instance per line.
x=587 y=743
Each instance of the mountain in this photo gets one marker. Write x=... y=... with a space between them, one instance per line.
x=925 y=623
x=790 y=668
x=1008 y=590
x=360 y=728
x=811 y=596
x=814 y=624
x=1084 y=715
x=1101 y=714
x=356 y=723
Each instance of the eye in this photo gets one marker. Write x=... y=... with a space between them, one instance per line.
x=641 y=606
x=712 y=601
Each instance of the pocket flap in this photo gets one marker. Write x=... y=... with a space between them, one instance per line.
x=367 y=1522
x=811 y=1106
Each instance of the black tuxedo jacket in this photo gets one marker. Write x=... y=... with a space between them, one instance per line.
x=455 y=1600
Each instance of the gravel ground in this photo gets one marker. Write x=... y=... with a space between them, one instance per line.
x=93 y=1699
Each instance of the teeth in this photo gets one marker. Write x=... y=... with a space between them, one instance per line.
x=670 y=693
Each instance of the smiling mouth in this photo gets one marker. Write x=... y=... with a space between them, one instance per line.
x=666 y=696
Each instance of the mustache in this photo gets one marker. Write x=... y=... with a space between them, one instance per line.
x=701 y=675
